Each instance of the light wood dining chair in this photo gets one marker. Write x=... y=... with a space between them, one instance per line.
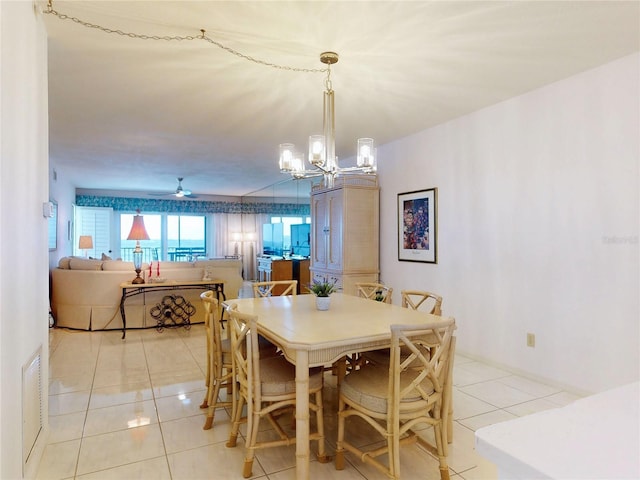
x=267 y=386
x=374 y=291
x=219 y=359
x=275 y=287
x=431 y=303
x=393 y=399
x=422 y=300
x=415 y=300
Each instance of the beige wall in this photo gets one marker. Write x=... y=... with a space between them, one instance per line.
x=23 y=229
x=538 y=227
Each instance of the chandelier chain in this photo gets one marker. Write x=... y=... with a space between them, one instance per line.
x=327 y=82
x=169 y=38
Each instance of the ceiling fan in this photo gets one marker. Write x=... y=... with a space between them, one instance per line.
x=179 y=192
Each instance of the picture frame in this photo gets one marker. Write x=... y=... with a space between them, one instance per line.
x=418 y=226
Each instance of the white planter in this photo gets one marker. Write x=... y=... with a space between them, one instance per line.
x=323 y=303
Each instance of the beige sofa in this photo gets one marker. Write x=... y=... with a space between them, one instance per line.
x=86 y=293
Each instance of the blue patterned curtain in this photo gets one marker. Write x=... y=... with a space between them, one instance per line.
x=124 y=204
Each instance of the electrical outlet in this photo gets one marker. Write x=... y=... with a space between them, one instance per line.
x=531 y=340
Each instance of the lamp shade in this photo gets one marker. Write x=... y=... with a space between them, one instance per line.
x=86 y=242
x=138 y=232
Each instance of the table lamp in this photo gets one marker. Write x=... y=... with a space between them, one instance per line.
x=237 y=238
x=137 y=233
x=85 y=243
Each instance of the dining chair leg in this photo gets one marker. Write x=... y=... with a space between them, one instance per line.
x=205 y=400
x=393 y=444
x=448 y=399
x=322 y=454
x=252 y=438
x=237 y=419
x=450 y=424
x=213 y=398
x=339 y=460
x=441 y=442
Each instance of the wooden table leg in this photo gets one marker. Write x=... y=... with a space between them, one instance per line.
x=302 y=415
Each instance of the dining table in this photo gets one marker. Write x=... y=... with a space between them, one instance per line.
x=309 y=337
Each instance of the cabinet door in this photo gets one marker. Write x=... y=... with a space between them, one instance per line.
x=334 y=215
x=360 y=235
x=319 y=230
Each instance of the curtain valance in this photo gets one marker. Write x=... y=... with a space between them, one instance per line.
x=191 y=206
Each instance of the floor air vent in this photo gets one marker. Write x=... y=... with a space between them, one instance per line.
x=31 y=404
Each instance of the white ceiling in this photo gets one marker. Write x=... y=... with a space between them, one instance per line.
x=132 y=114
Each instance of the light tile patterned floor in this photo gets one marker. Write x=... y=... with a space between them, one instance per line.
x=130 y=409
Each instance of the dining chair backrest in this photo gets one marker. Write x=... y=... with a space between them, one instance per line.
x=374 y=291
x=239 y=324
x=205 y=296
x=210 y=304
x=245 y=346
x=275 y=288
x=419 y=353
x=413 y=389
x=419 y=299
x=219 y=361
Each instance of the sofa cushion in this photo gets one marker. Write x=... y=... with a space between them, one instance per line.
x=64 y=263
x=176 y=274
x=85 y=264
x=118 y=265
x=171 y=266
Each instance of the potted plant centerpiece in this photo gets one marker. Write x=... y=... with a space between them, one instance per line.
x=322 y=290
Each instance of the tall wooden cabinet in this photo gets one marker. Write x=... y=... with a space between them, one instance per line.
x=345 y=232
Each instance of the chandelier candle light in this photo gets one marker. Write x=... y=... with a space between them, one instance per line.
x=322 y=148
x=138 y=232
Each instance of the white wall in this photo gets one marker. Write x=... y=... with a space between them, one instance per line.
x=538 y=226
x=23 y=229
x=63 y=192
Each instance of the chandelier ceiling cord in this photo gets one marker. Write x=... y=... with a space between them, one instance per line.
x=322 y=148
x=175 y=38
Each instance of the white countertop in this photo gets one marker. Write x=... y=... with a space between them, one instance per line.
x=596 y=437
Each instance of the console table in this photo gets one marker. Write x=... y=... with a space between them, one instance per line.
x=130 y=290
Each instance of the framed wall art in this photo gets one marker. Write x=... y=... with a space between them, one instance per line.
x=418 y=226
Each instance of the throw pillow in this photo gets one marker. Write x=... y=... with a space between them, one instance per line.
x=105 y=257
x=85 y=264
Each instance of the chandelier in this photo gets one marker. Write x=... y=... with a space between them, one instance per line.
x=322 y=148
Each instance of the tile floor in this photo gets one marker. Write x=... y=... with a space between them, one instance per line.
x=130 y=409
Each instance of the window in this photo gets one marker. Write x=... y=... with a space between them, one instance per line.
x=185 y=237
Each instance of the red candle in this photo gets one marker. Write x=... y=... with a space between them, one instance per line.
x=150 y=264
x=158 y=270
